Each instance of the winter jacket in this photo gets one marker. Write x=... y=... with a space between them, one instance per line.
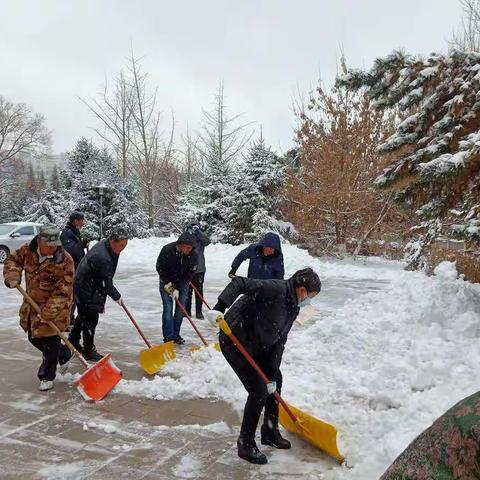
x=49 y=283
x=176 y=267
x=449 y=449
x=202 y=242
x=72 y=242
x=94 y=277
x=262 y=317
x=262 y=267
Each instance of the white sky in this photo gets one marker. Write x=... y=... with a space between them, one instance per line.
x=52 y=51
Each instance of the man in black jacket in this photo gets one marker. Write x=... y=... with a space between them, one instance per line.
x=93 y=282
x=199 y=277
x=74 y=244
x=261 y=319
x=71 y=237
x=176 y=265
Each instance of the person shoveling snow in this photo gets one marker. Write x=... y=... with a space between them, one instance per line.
x=261 y=320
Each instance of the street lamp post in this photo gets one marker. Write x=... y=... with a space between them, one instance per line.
x=101 y=192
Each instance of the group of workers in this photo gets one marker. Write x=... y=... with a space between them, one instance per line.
x=62 y=273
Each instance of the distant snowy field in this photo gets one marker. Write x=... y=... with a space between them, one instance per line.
x=382 y=355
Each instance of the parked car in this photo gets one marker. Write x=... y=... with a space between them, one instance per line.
x=15 y=234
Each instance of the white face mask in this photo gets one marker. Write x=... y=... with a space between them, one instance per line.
x=306 y=301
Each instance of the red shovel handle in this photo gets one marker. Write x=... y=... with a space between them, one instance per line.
x=136 y=325
x=182 y=308
x=228 y=331
x=199 y=295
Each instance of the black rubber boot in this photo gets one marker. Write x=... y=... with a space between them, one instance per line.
x=199 y=316
x=273 y=438
x=92 y=355
x=248 y=450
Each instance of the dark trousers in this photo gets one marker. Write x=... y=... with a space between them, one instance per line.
x=85 y=325
x=53 y=352
x=198 y=280
x=258 y=397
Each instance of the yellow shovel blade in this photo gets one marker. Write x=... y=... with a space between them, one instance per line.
x=313 y=430
x=197 y=348
x=152 y=359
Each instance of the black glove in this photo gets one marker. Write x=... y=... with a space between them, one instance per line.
x=231 y=274
x=86 y=242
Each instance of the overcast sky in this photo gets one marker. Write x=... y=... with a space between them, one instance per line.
x=52 y=51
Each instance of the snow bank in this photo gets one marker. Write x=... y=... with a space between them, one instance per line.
x=381 y=366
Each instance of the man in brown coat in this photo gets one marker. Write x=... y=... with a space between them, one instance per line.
x=49 y=274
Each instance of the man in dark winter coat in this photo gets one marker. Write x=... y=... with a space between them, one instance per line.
x=74 y=244
x=266 y=259
x=199 y=276
x=71 y=237
x=93 y=282
x=261 y=319
x=176 y=265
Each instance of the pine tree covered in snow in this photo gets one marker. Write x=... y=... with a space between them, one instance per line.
x=255 y=200
x=209 y=198
x=87 y=168
x=51 y=207
x=436 y=148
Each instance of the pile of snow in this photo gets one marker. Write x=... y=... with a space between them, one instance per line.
x=381 y=367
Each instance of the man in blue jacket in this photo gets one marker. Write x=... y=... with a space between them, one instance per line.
x=266 y=259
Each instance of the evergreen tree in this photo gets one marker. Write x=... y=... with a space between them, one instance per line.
x=434 y=168
x=220 y=145
x=55 y=180
x=255 y=199
x=51 y=207
x=87 y=168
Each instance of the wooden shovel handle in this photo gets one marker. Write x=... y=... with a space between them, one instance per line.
x=67 y=342
x=182 y=308
x=136 y=325
x=228 y=331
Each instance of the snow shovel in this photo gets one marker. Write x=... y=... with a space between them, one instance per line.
x=315 y=431
x=200 y=296
x=153 y=358
x=98 y=379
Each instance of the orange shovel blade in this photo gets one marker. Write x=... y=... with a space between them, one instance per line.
x=99 y=379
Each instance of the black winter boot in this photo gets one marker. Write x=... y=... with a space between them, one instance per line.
x=92 y=355
x=273 y=438
x=248 y=450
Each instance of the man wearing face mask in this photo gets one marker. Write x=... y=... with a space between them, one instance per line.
x=261 y=320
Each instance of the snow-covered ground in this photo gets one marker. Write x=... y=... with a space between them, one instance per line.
x=381 y=354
